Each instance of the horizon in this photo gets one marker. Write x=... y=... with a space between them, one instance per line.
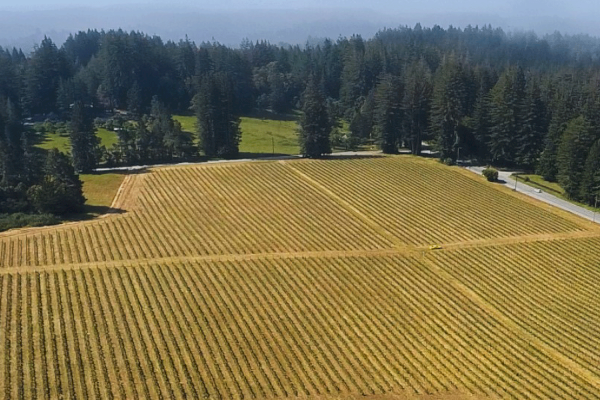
x=24 y=24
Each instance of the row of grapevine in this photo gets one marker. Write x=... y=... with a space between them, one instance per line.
x=194 y=211
x=423 y=202
x=315 y=326
x=549 y=288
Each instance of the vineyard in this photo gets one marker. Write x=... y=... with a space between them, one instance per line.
x=304 y=279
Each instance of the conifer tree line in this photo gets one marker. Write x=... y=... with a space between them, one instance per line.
x=514 y=100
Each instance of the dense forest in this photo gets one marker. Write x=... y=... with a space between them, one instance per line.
x=514 y=100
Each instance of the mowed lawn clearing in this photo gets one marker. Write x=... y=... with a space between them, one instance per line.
x=305 y=279
x=62 y=142
x=100 y=190
x=260 y=136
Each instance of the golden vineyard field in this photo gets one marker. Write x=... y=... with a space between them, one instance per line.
x=304 y=279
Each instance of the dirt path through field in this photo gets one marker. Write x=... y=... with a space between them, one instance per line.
x=348 y=207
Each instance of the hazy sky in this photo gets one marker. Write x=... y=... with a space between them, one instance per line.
x=24 y=22
x=538 y=7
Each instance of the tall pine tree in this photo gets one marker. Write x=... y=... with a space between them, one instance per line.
x=315 y=124
x=507 y=116
x=449 y=107
x=218 y=124
x=84 y=142
x=389 y=113
x=572 y=153
x=416 y=103
x=590 y=182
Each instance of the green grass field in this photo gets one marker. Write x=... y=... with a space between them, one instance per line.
x=100 y=190
x=259 y=135
x=60 y=141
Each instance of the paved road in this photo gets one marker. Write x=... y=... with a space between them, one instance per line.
x=542 y=196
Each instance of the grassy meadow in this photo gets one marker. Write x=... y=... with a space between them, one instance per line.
x=99 y=190
x=260 y=136
x=60 y=141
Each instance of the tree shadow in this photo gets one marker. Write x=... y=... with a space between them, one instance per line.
x=91 y=212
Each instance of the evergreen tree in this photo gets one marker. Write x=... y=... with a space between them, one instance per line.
x=482 y=126
x=84 y=142
x=563 y=108
x=44 y=71
x=571 y=157
x=362 y=124
x=353 y=83
x=507 y=116
x=218 y=125
x=416 y=104
x=60 y=191
x=167 y=134
x=315 y=123
x=590 y=182
x=388 y=114
x=449 y=107
x=11 y=149
x=534 y=128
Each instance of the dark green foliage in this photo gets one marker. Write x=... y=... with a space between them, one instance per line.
x=170 y=141
x=449 y=107
x=534 y=126
x=362 y=124
x=416 y=104
x=218 y=125
x=482 y=127
x=590 y=181
x=45 y=69
x=60 y=190
x=507 y=116
x=84 y=142
x=20 y=220
x=315 y=124
x=571 y=156
x=477 y=92
x=389 y=114
x=11 y=143
x=491 y=174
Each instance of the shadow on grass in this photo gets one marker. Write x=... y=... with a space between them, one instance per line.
x=91 y=212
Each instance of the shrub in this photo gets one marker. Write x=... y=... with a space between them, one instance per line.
x=491 y=174
x=19 y=220
x=448 y=161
